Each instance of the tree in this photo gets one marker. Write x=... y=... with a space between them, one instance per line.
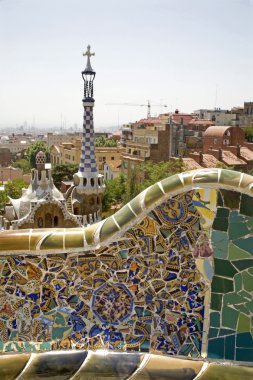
x=249 y=134
x=63 y=172
x=153 y=172
x=115 y=191
x=23 y=164
x=34 y=148
x=12 y=189
x=3 y=198
x=103 y=141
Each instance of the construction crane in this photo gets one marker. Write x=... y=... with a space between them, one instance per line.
x=148 y=105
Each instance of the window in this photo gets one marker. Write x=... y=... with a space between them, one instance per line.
x=112 y=158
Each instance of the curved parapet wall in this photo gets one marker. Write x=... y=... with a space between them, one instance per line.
x=114 y=226
x=170 y=273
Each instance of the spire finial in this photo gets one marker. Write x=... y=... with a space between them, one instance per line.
x=88 y=54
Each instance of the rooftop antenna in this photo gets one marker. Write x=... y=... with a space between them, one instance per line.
x=216 y=96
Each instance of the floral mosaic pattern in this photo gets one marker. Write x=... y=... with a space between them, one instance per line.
x=143 y=292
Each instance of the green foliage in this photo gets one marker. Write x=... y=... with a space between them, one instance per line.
x=249 y=134
x=114 y=192
x=3 y=198
x=63 y=172
x=34 y=148
x=123 y=190
x=221 y=165
x=13 y=189
x=23 y=164
x=103 y=141
x=151 y=173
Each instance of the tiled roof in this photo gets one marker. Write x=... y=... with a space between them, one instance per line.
x=190 y=163
x=114 y=165
x=209 y=161
x=246 y=153
x=201 y=122
x=231 y=159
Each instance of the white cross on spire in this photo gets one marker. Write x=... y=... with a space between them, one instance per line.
x=88 y=54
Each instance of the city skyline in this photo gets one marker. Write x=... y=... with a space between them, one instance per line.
x=185 y=54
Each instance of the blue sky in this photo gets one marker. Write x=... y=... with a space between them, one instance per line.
x=176 y=52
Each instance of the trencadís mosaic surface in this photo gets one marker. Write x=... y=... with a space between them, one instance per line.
x=170 y=273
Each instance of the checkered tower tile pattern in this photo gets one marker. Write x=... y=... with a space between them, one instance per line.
x=88 y=158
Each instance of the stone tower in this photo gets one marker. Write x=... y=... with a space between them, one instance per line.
x=87 y=192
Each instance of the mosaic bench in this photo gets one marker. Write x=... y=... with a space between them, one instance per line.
x=163 y=289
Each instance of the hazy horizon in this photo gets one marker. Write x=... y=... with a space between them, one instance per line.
x=187 y=54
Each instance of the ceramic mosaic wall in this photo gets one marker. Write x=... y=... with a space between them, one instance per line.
x=178 y=280
x=231 y=317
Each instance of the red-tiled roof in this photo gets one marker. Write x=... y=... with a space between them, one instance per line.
x=246 y=153
x=231 y=159
x=190 y=163
x=209 y=161
x=201 y=122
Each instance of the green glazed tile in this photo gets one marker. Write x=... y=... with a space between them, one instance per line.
x=206 y=176
x=213 y=333
x=220 y=224
x=219 y=199
x=12 y=365
x=124 y=215
x=229 y=317
x=246 y=205
x=215 y=319
x=246 y=181
x=220 y=244
x=172 y=184
x=222 y=285
x=247 y=280
x=153 y=194
x=224 y=332
x=230 y=347
x=243 y=323
x=216 y=301
x=244 y=340
x=233 y=298
x=89 y=233
x=136 y=204
x=52 y=241
x=216 y=348
x=111 y=366
x=108 y=228
x=243 y=264
x=236 y=217
x=246 y=355
x=237 y=230
x=235 y=253
x=249 y=306
x=245 y=244
x=74 y=239
x=224 y=268
x=230 y=177
x=231 y=199
x=60 y=366
x=222 y=212
x=242 y=309
x=227 y=372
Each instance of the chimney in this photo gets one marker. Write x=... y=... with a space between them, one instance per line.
x=220 y=154
x=238 y=150
x=200 y=157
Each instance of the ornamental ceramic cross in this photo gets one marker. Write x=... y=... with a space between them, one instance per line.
x=88 y=54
